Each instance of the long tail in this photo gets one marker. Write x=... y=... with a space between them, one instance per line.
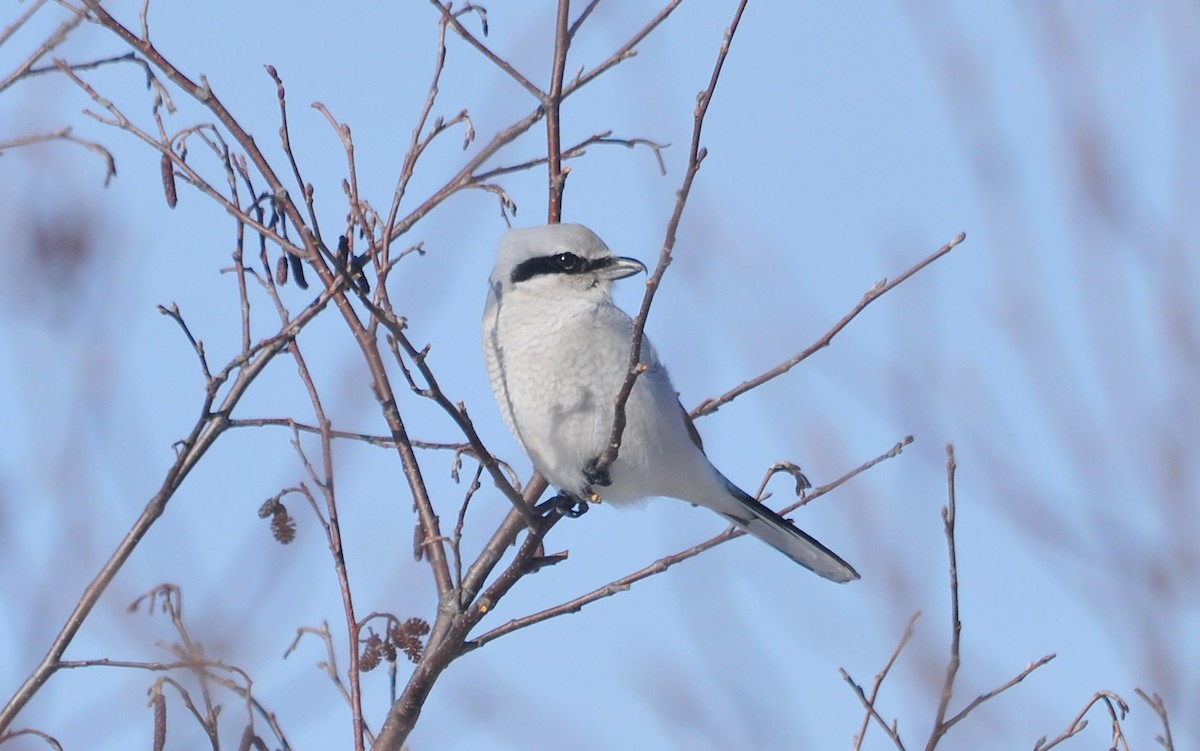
x=786 y=537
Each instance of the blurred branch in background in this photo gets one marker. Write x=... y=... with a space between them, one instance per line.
x=259 y=181
x=1103 y=316
x=1117 y=707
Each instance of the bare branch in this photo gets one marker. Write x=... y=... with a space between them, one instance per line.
x=64 y=134
x=329 y=665
x=892 y=730
x=948 y=515
x=446 y=641
x=999 y=689
x=285 y=138
x=553 y=103
x=940 y=724
x=662 y=564
x=602 y=138
x=624 y=52
x=416 y=145
x=50 y=740
x=695 y=158
x=173 y=313
x=1156 y=703
x=1111 y=701
x=209 y=426
x=57 y=37
x=333 y=534
x=583 y=16
x=882 y=288
x=13 y=27
x=452 y=18
x=457 y=413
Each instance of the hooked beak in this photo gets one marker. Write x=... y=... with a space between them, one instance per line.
x=621 y=267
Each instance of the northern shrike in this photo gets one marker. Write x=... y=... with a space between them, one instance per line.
x=557 y=349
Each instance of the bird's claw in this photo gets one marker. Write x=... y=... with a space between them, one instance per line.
x=595 y=474
x=563 y=505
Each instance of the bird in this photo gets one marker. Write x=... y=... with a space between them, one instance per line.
x=557 y=352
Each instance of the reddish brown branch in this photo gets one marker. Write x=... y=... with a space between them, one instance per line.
x=624 y=52
x=657 y=567
x=553 y=105
x=311 y=251
x=452 y=18
x=696 y=156
x=446 y=642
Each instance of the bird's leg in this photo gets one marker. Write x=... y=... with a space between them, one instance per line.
x=595 y=474
x=564 y=504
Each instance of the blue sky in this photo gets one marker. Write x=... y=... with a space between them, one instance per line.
x=1057 y=349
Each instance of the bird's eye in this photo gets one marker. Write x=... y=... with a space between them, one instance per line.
x=568 y=261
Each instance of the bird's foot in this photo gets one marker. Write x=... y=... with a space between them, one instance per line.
x=595 y=474
x=563 y=505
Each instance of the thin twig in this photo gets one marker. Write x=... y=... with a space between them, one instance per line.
x=499 y=62
x=662 y=564
x=50 y=740
x=880 y=289
x=948 y=514
x=329 y=665
x=57 y=37
x=208 y=427
x=310 y=250
x=941 y=725
x=583 y=16
x=12 y=28
x=892 y=731
x=466 y=177
x=999 y=689
x=64 y=134
x=696 y=156
x=1156 y=703
x=446 y=641
x=603 y=138
x=1076 y=726
x=333 y=537
x=457 y=412
x=553 y=105
x=624 y=52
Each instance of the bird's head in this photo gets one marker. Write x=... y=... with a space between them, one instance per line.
x=558 y=260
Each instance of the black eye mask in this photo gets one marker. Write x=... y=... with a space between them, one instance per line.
x=559 y=263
